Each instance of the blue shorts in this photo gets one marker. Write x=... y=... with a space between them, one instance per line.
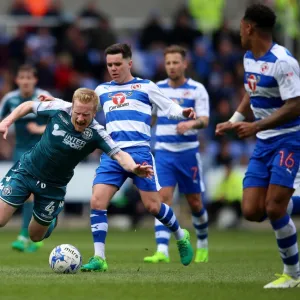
x=182 y=168
x=274 y=161
x=110 y=172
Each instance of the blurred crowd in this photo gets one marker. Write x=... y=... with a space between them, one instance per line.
x=69 y=55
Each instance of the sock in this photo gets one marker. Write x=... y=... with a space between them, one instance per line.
x=99 y=228
x=26 y=217
x=286 y=236
x=162 y=237
x=294 y=206
x=51 y=228
x=167 y=217
x=200 y=222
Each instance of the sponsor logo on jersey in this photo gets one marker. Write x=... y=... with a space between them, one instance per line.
x=73 y=142
x=136 y=86
x=69 y=140
x=119 y=99
x=87 y=134
x=264 y=67
x=252 y=82
x=58 y=132
x=186 y=94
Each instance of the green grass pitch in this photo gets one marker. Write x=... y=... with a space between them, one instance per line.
x=240 y=263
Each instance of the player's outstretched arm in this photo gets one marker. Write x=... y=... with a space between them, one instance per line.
x=19 y=112
x=128 y=164
x=239 y=115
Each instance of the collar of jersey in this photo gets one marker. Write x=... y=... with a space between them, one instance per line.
x=184 y=85
x=265 y=55
x=134 y=80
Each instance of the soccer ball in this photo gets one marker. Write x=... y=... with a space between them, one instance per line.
x=65 y=258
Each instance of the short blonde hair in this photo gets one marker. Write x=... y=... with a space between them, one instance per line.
x=86 y=96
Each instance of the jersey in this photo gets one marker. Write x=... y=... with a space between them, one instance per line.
x=53 y=159
x=25 y=140
x=128 y=107
x=190 y=94
x=270 y=81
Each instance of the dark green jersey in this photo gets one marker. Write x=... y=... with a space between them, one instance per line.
x=61 y=147
x=24 y=139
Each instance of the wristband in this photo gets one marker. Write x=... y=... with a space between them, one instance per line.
x=237 y=117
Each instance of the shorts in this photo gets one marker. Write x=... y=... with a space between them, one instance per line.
x=182 y=168
x=274 y=161
x=16 y=187
x=110 y=172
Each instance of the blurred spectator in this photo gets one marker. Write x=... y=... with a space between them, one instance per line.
x=18 y=8
x=37 y=8
x=16 y=47
x=54 y=9
x=101 y=36
x=73 y=84
x=203 y=58
x=45 y=70
x=39 y=44
x=153 y=35
x=90 y=10
x=183 y=33
x=227 y=55
x=63 y=71
x=224 y=32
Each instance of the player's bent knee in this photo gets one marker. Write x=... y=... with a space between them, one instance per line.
x=97 y=202
x=253 y=215
x=275 y=211
x=153 y=207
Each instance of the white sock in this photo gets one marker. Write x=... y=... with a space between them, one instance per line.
x=99 y=250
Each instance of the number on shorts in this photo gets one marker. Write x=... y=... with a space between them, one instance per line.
x=195 y=171
x=50 y=208
x=288 y=161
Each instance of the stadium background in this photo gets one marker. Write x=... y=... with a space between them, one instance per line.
x=65 y=40
x=67 y=50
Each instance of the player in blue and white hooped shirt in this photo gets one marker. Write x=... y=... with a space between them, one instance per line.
x=177 y=154
x=127 y=104
x=272 y=83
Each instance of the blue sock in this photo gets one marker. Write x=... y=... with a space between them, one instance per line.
x=200 y=223
x=167 y=217
x=51 y=228
x=162 y=237
x=26 y=217
x=286 y=236
x=294 y=206
x=99 y=228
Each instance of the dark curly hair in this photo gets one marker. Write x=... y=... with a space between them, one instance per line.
x=262 y=15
